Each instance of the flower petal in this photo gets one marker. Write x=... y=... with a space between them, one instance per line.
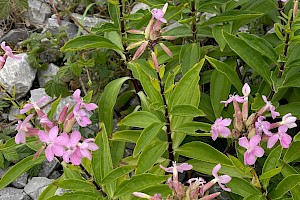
x=272 y=141
x=215 y=170
x=243 y=142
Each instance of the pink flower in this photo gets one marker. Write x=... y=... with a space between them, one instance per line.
x=86 y=146
x=35 y=105
x=50 y=139
x=269 y=107
x=81 y=116
x=262 y=126
x=181 y=168
x=246 y=90
x=221 y=180
x=232 y=98
x=79 y=100
x=253 y=150
x=2 y=62
x=289 y=121
x=284 y=138
x=72 y=151
x=8 y=51
x=159 y=14
x=219 y=127
x=22 y=128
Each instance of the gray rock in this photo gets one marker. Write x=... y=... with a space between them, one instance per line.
x=10 y=193
x=48 y=167
x=36 y=186
x=55 y=175
x=14 y=36
x=37 y=94
x=17 y=73
x=13 y=112
x=89 y=22
x=53 y=26
x=46 y=75
x=139 y=6
x=38 y=12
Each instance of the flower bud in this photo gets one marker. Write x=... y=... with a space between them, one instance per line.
x=246 y=90
x=169 y=37
x=135 y=32
x=141 y=195
x=211 y=196
x=135 y=44
x=166 y=49
x=140 y=50
x=155 y=62
x=63 y=114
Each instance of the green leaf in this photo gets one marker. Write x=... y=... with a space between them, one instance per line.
x=75 y=184
x=186 y=110
x=242 y=187
x=219 y=91
x=18 y=169
x=107 y=102
x=150 y=155
x=287 y=184
x=204 y=152
x=140 y=119
x=89 y=42
x=240 y=166
x=117 y=173
x=183 y=91
x=206 y=107
x=217 y=33
x=269 y=174
x=4 y=9
x=138 y=183
x=189 y=56
x=193 y=127
x=147 y=135
x=79 y=195
x=106 y=27
x=228 y=71
x=293 y=107
x=54 y=88
x=232 y=15
x=246 y=52
x=292 y=81
x=255 y=197
x=114 y=12
x=53 y=108
x=126 y=135
x=261 y=45
x=271 y=163
x=293 y=152
x=10 y=155
x=101 y=160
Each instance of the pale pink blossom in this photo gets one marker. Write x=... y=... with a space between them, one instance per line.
x=50 y=139
x=246 y=90
x=221 y=180
x=81 y=116
x=72 y=151
x=159 y=14
x=289 y=121
x=181 y=168
x=219 y=128
x=2 y=62
x=262 y=126
x=33 y=104
x=8 y=51
x=22 y=128
x=269 y=107
x=86 y=146
x=253 y=150
x=79 y=100
x=232 y=98
x=284 y=138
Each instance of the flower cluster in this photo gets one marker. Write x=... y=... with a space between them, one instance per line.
x=8 y=53
x=197 y=186
x=152 y=35
x=72 y=147
x=251 y=130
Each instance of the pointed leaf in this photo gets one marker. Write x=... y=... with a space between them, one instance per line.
x=287 y=184
x=140 y=119
x=186 y=110
x=117 y=173
x=242 y=187
x=75 y=184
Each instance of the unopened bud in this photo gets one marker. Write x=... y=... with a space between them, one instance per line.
x=251 y=119
x=246 y=90
x=155 y=62
x=135 y=44
x=169 y=37
x=211 y=196
x=140 y=51
x=149 y=28
x=166 y=49
x=135 y=32
x=63 y=114
x=141 y=195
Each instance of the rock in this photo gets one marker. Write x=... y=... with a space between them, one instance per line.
x=208 y=15
x=38 y=12
x=13 y=112
x=48 y=167
x=53 y=26
x=55 y=175
x=139 y=6
x=46 y=75
x=89 y=22
x=36 y=186
x=17 y=73
x=10 y=193
x=14 y=36
x=37 y=94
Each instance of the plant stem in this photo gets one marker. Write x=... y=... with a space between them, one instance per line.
x=194 y=24
x=167 y=119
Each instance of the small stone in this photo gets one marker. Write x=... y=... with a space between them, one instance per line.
x=14 y=36
x=10 y=193
x=139 y=6
x=53 y=26
x=46 y=75
x=21 y=181
x=36 y=186
x=38 y=12
x=48 y=167
x=90 y=22
x=17 y=73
